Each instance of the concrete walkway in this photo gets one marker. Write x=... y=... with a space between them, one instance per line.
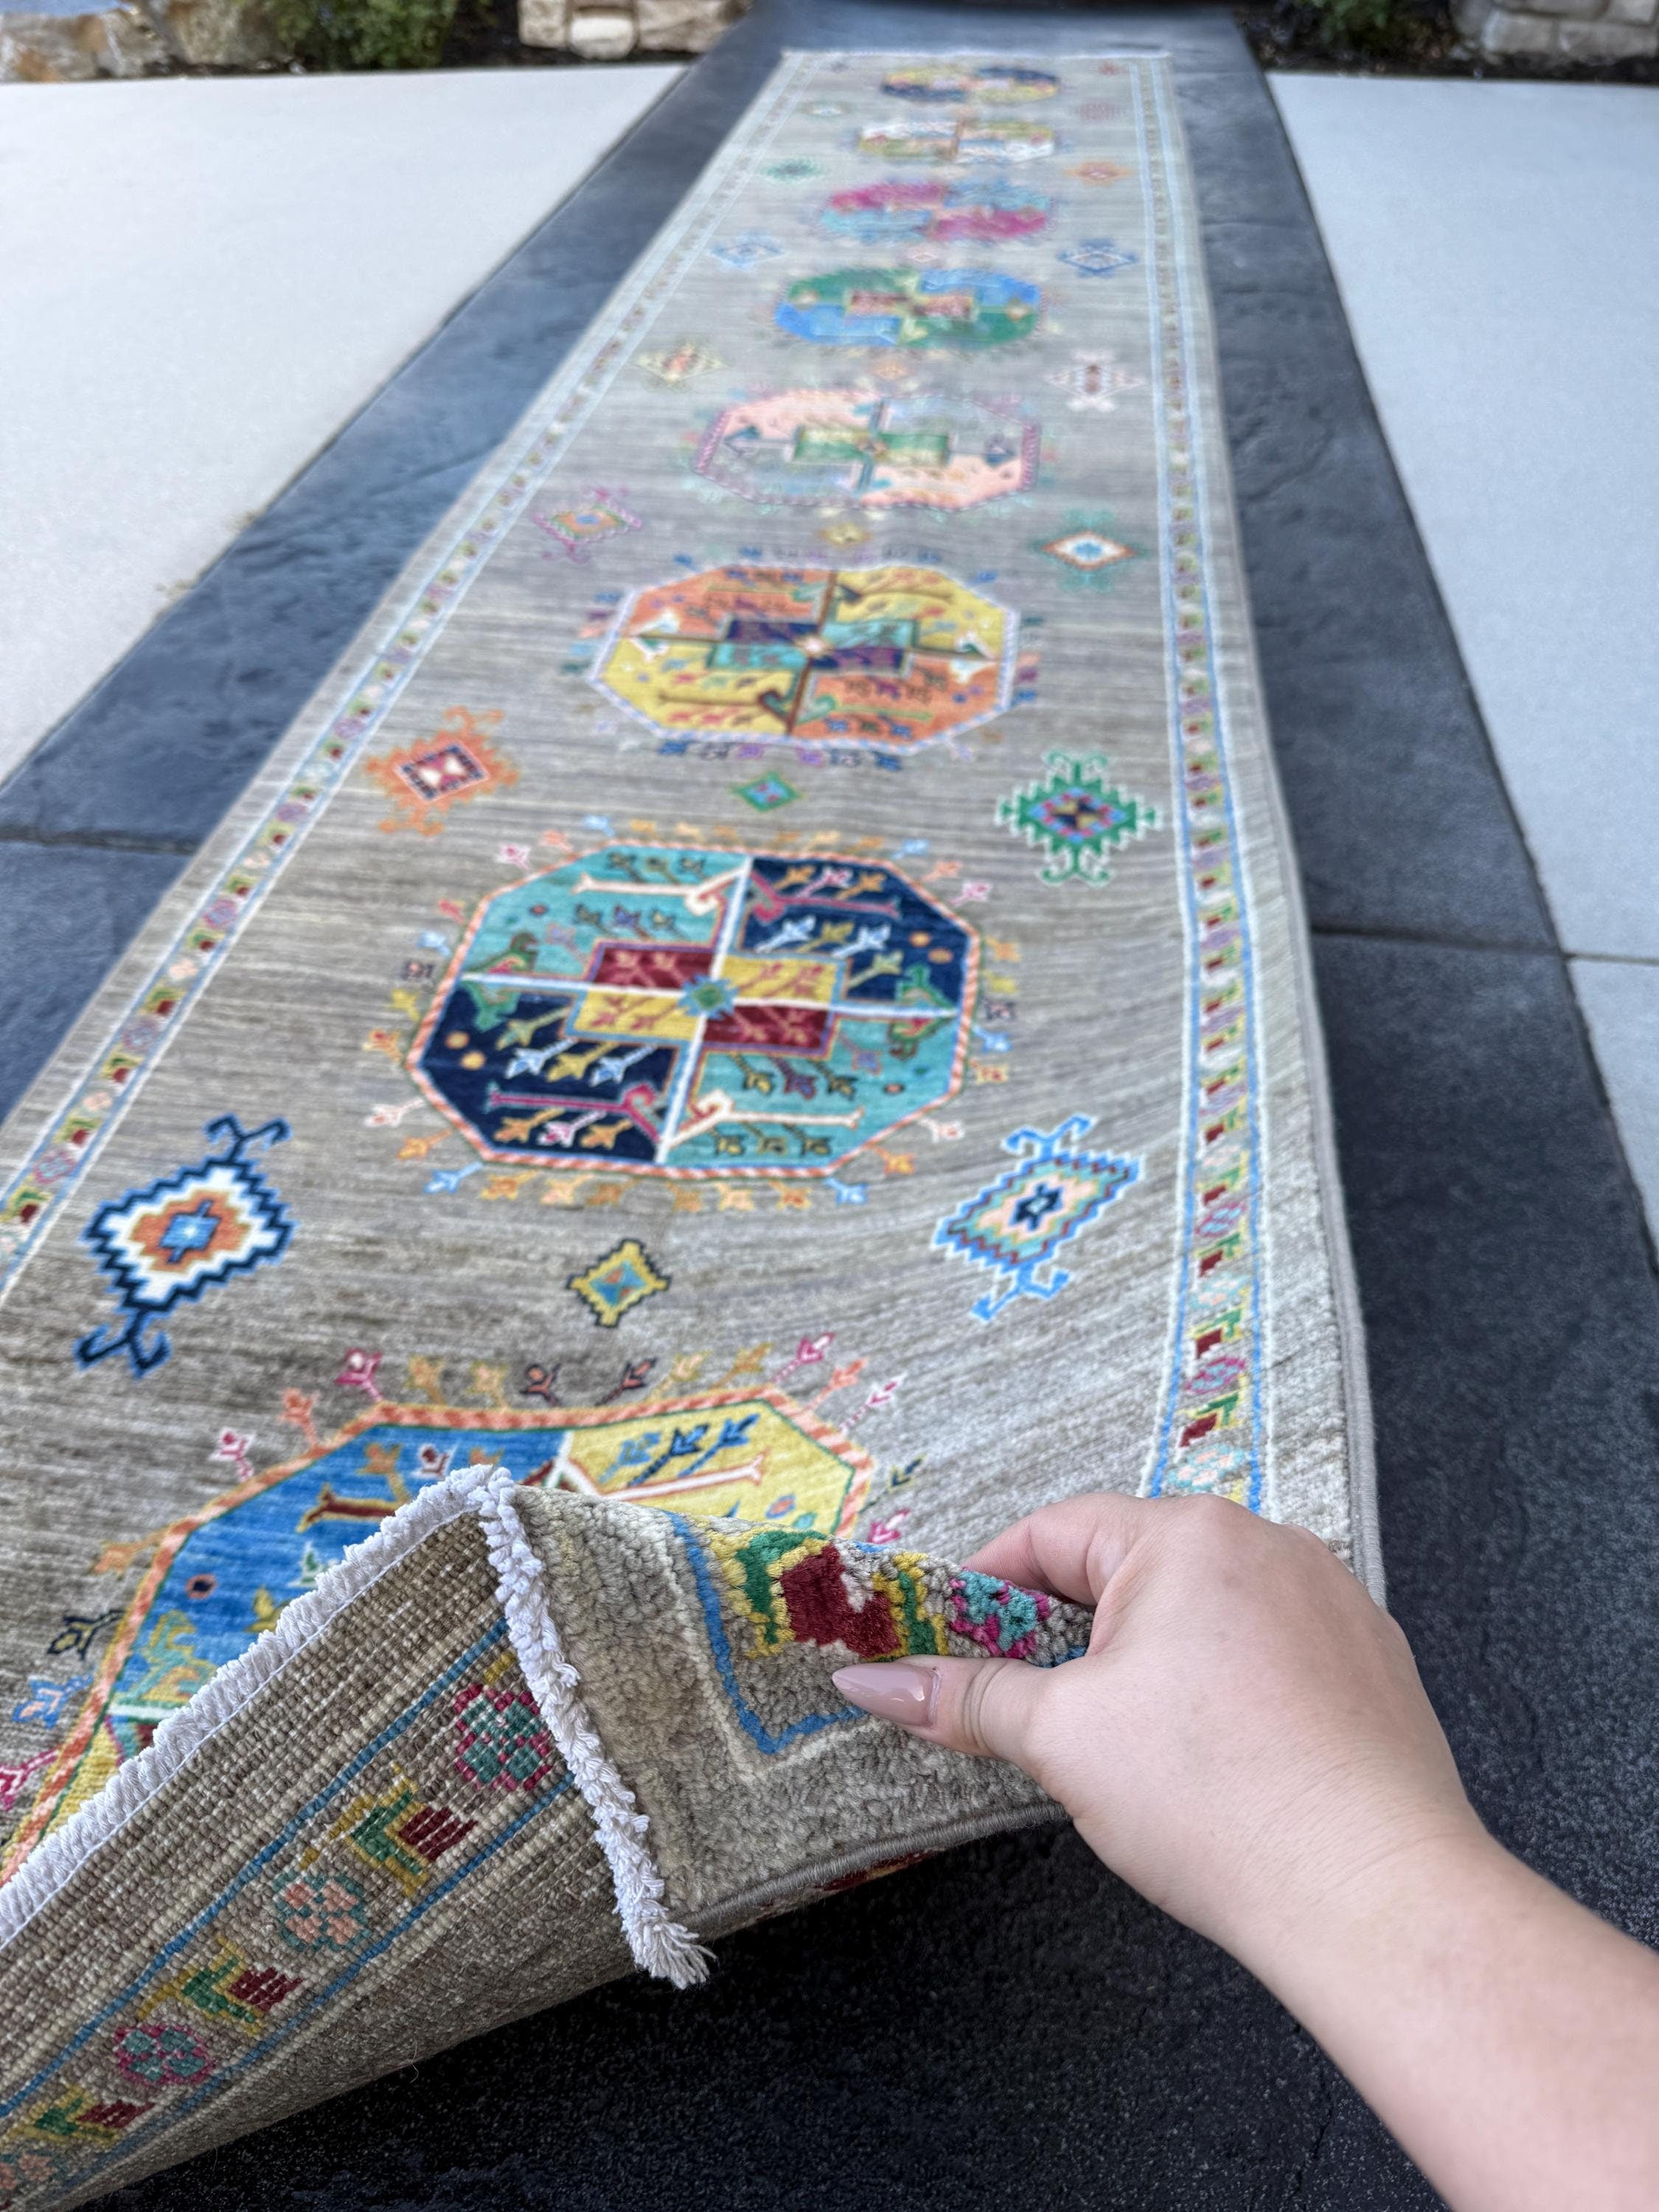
x=201 y=280
x=1497 y=247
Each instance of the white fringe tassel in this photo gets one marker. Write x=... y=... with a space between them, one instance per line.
x=658 y=1943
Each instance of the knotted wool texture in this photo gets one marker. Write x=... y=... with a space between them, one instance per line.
x=756 y=1029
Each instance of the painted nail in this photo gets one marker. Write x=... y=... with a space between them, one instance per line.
x=894 y=1692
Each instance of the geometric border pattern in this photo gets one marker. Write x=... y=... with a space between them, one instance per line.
x=1209 y=1437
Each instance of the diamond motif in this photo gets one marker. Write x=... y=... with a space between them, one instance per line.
x=767 y=792
x=182 y=1234
x=1088 y=552
x=747 y=248
x=600 y=515
x=615 y=1285
x=1077 y=817
x=1094 y=380
x=425 y=781
x=1099 y=256
x=681 y=362
x=1016 y=1223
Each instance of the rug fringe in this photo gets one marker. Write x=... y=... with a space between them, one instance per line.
x=658 y=1943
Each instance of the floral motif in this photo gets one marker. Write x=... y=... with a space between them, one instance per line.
x=157 y=2052
x=321 y=1911
x=500 y=1740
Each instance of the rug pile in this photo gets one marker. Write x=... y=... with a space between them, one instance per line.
x=759 y=1029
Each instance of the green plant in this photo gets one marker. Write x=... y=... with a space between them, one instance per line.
x=1360 y=23
x=363 y=34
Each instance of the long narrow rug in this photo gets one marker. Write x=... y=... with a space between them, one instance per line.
x=756 y=1029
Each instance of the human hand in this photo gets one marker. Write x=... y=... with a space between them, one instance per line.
x=1246 y=1739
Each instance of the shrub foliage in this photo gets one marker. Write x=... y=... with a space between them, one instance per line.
x=363 y=34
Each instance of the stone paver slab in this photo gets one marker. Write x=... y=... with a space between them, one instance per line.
x=201 y=280
x=1495 y=246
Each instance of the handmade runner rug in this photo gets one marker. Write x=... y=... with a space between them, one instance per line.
x=757 y=1029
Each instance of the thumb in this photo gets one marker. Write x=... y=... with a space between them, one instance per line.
x=986 y=1706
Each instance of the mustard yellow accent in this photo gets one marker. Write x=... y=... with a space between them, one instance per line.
x=772 y=1464
x=635 y=1013
x=813 y=981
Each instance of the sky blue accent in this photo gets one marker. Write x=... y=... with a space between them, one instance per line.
x=260 y=1545
x=1155 y=1486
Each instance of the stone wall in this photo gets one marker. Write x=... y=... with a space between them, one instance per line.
x=118 y=41
x=152 y=37
x=1562 y=30
x=609 y=30
x=134 y=38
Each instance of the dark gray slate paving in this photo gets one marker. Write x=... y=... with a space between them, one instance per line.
x=66 y=912
x=1009 y=2024
x=1511 y=1323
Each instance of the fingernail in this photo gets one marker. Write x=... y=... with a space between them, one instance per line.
x=894 y=1692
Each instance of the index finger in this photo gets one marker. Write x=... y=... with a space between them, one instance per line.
x=1071 y=1549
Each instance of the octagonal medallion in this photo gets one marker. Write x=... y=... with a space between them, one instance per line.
x=666 y=1009
x=962 y=309
x=895 y=657
x=867 y=449
x=218 y=1579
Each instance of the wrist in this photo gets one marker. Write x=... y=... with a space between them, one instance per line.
x=1347 y=1913
x=1507 y=2038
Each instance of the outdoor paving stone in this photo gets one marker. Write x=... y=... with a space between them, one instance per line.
x=1620 y=1000
x=202 y=279
x=67 y=913
x=167 y=739
x=1490 y=241
x=1512 y=1323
